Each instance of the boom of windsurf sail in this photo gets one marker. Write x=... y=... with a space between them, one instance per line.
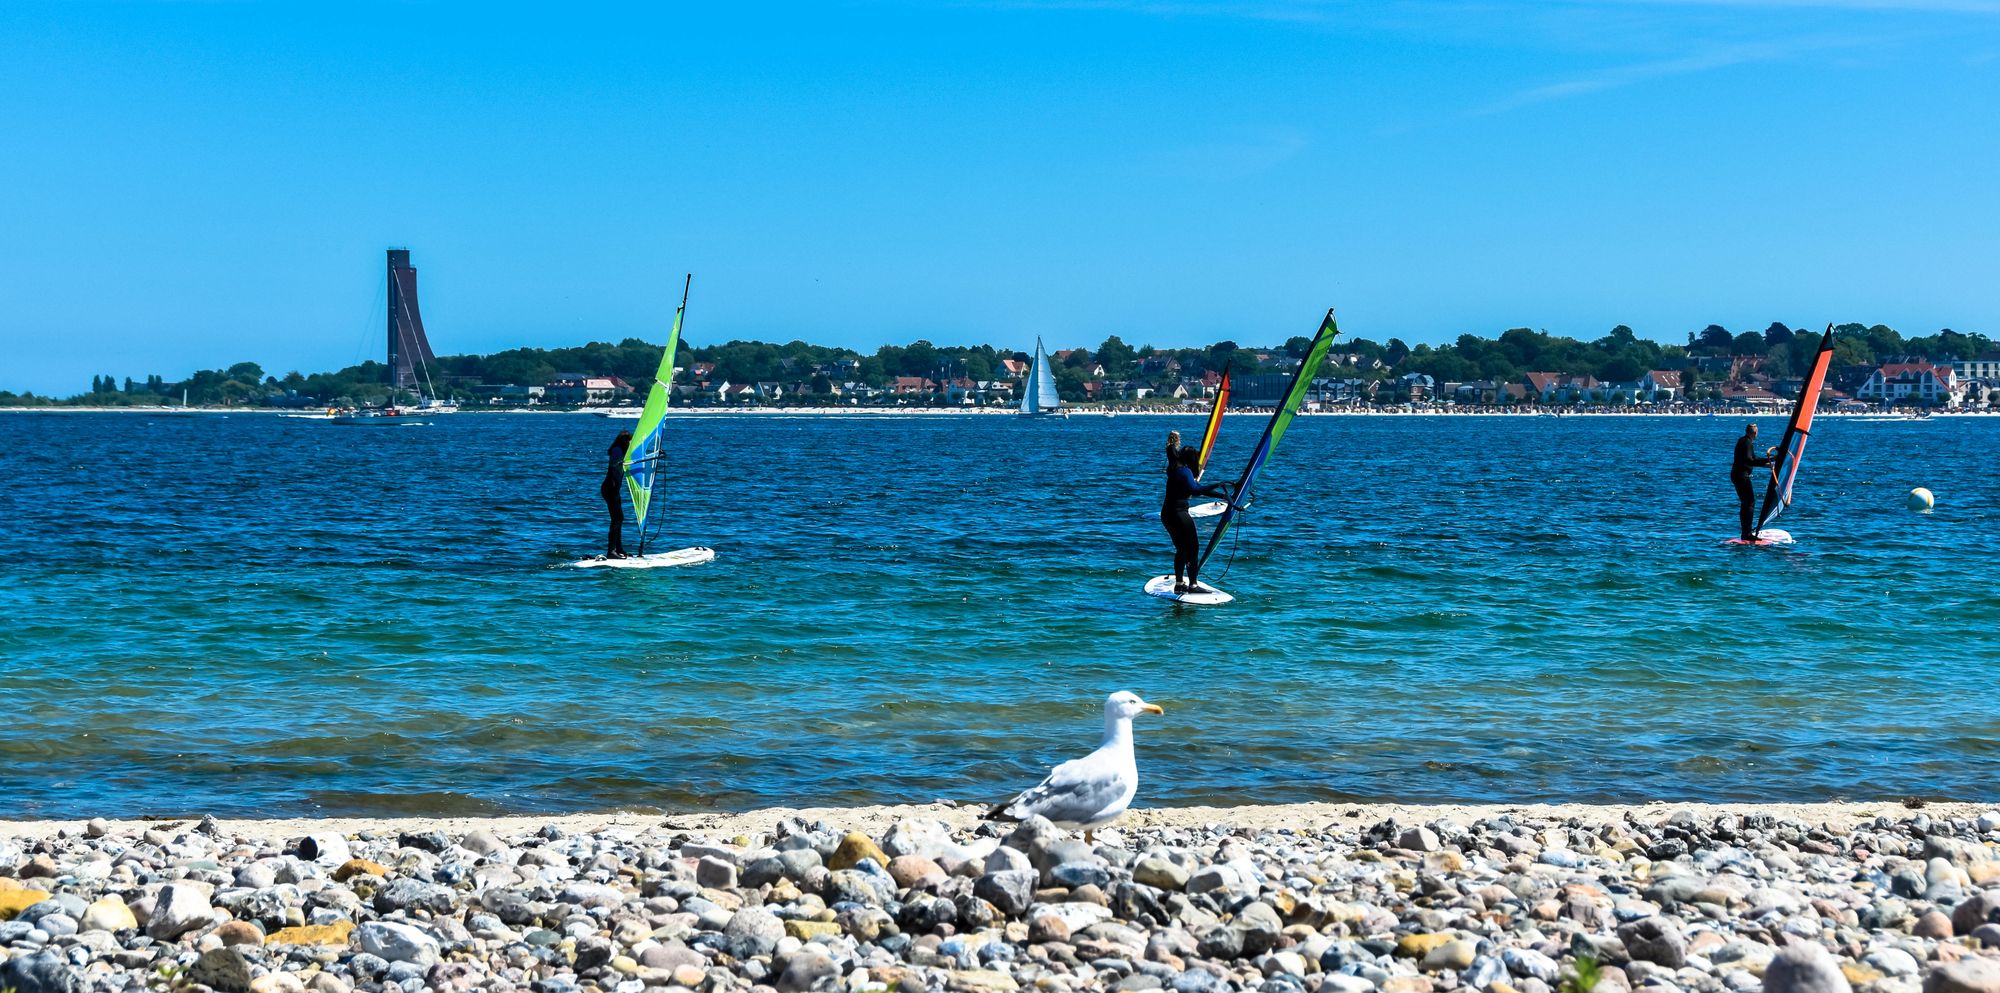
x=1274 y=430
x=642 y=457
x=1214 y=423
x=1792 y=448
x=1038 y=394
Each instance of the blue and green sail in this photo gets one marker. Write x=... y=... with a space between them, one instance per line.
x=1274 y=430
x=642 y=457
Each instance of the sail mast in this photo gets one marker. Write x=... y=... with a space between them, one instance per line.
x=642 y=456
x=1274 y=429
x=1792 y=447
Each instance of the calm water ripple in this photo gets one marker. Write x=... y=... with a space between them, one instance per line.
x=253 y=615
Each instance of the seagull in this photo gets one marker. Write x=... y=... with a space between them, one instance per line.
x=1092 y=791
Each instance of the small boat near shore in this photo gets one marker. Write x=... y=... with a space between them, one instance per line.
x=380 y=417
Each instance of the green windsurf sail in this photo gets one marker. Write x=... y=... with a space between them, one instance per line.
x=1274 y=430
x=642 y=457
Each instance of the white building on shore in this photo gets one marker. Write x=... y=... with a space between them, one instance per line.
x=1912 y=381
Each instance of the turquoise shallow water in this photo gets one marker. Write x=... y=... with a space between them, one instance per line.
x=253 y=615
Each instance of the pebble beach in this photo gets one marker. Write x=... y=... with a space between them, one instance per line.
x=1322 y=898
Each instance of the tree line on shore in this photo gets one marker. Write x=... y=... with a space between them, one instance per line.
x=1619 y=356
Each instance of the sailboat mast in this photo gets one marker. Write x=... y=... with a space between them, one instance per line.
x=395 y=332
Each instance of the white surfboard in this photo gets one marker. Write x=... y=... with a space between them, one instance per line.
x=1209 y=509
x=1768 y=536
x=655 y=560
x=1163 y=587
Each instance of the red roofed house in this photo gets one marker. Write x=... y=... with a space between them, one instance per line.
x=573 y=387
x=1661 y=384
x=1742 y=366
x=1551 y=387
x=1751 y=396
x=1015 y=367
x=1918 y=381
x=911 y=386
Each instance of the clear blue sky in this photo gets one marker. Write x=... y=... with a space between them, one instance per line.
x=192 y=184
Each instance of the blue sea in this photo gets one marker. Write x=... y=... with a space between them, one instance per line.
x=255 y=615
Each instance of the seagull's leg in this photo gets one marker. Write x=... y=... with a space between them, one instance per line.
x=1089 y=837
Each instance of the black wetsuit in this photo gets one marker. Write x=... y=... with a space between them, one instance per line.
x=1181 y=484
x=614 y=501
x=1746 y=495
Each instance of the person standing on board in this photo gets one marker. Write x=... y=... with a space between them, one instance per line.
x=1739 y=474
x=614 y=498
x=1181 y=484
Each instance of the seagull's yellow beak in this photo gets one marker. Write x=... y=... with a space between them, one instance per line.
x=1152 y=709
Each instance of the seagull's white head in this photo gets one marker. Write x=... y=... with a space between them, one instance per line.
x=1124 y=705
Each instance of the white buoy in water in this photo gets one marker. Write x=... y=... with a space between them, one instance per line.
x=1921 y=500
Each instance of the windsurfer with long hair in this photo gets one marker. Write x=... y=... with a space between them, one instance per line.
x=614 y=498
x=1739 y=474
x=1181 y=484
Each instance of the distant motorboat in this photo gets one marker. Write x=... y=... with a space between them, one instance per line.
x=380 y=417
x=621 y=413
x=1886 y=418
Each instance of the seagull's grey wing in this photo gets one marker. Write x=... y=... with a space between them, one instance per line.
x=1076 y=792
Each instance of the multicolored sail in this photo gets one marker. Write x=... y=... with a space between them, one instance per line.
x=1274 y=431
x=1214 y=423
x=1792 y=448
x=642 y=458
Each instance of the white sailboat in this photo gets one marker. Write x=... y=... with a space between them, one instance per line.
x=181 y=411
x=1038 y=393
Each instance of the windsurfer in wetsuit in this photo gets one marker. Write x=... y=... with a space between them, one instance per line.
x=1739 y=474
x=1181 y=485
x=614 y=500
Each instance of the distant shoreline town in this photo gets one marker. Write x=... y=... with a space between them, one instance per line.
x=1520 y=370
